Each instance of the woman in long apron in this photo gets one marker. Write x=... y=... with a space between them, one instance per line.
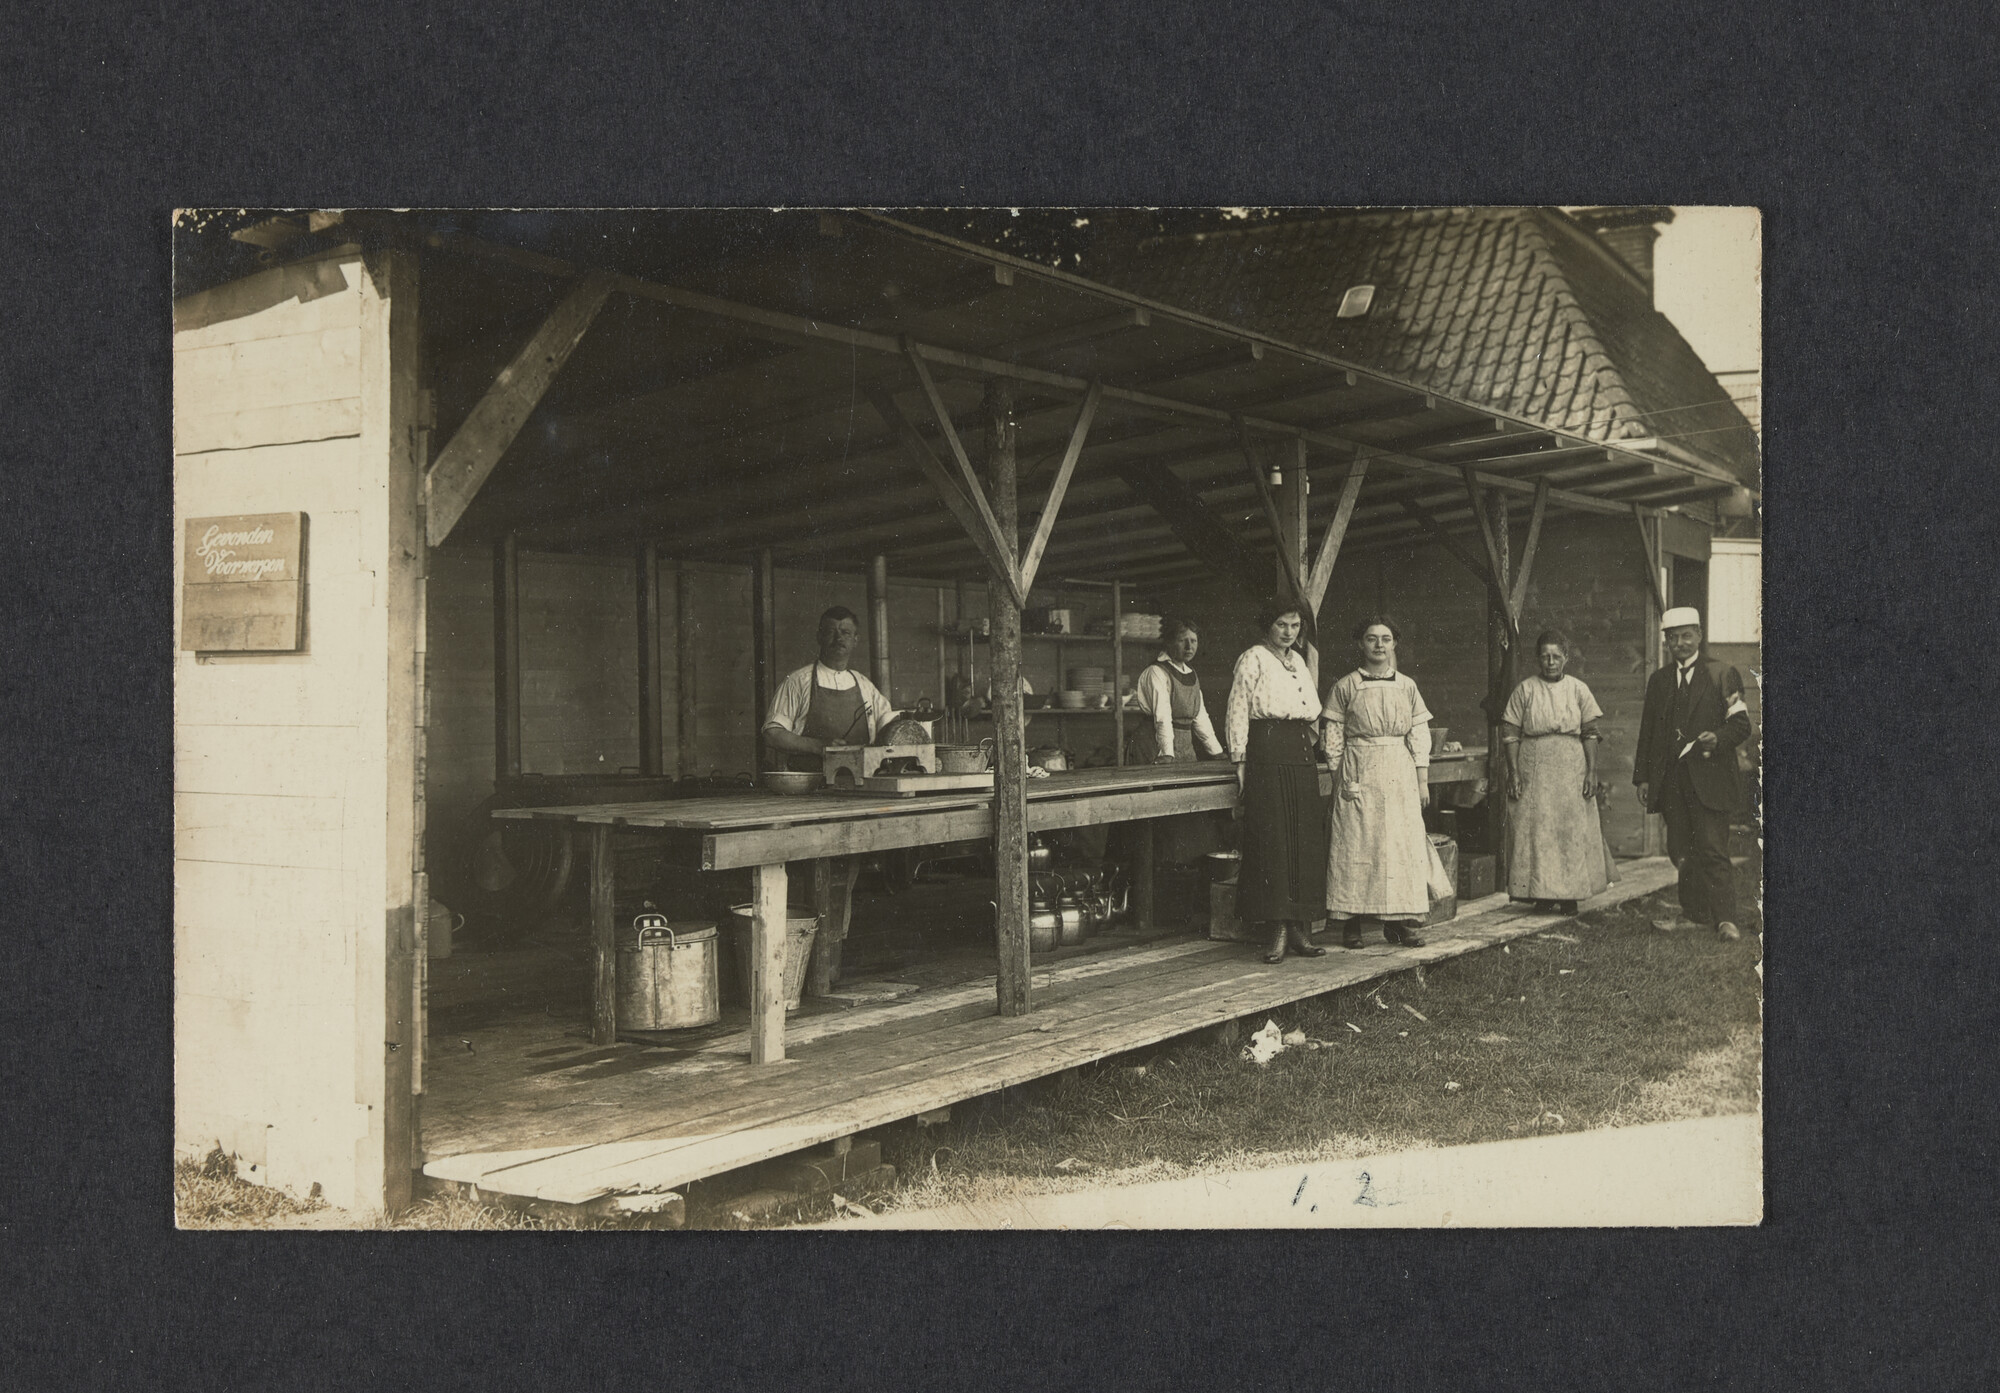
x=1281 y=880
x=1380 y=862
x=1175 y=730
x=1556 y=851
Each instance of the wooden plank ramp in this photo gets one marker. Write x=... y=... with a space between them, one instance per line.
x=559 y=1122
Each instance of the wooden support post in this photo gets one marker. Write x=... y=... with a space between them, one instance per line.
x=764 y=661
x=964 y=627
x=940 y=647
x=603 y=937
x=1499 y=672
x=1118 y=672
x=686 y=685
x=650 y=732
x=506 y=659
x=767 y=963
x=1142 y=875
x=878 y=624
x=1010 y=753
x=1293 y=560
x=1653 y=838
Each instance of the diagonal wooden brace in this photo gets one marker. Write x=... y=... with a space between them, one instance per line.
x=1336 y=532
x=960 y=507
x=464 y=464
x=1032 y=562
x=974 y=491
x=1519 y=596
x=1288 y=566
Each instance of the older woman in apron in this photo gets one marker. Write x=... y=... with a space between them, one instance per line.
x=1176 y=726
x=1380 y=862
x=1556 y=850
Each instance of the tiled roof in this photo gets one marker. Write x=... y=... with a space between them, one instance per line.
x=1519 y=308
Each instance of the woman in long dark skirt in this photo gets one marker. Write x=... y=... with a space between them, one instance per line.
x=1269 y=728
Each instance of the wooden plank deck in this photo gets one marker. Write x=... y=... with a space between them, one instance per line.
x=538 y=1114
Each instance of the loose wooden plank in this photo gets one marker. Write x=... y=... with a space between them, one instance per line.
x=768 y=948
x=463 y=465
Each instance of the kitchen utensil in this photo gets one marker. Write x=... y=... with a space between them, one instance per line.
x=966 y=759
x=1070 y=699
x=793 y=780
x=1041 y=856
x=1048 y=757
x=1438 y=736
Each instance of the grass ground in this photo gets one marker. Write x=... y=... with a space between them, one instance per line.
x=1602 y=1022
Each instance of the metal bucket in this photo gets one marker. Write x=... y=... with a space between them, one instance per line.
x=800 y=930
x=667 y=976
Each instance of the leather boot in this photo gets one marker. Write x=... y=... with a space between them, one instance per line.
x=1297 y=940
x=1275 y=952
x=1350 y=934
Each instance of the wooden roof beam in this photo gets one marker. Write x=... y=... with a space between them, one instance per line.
x=1068 y=335
x=755 y=320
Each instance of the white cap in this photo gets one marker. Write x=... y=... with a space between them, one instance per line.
x=1681 y=616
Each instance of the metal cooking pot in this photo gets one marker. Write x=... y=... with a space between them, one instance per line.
x=667 y=977
x=1048 y=757
x=1041 y=856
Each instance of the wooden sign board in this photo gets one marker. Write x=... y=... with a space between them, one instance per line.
x=243 y=583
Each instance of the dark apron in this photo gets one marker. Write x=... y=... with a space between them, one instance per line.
x=1177 y=840
x=838 y=718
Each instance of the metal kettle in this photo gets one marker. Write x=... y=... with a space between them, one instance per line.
x=1044 y=916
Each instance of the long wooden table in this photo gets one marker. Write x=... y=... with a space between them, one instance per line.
x=762 y=831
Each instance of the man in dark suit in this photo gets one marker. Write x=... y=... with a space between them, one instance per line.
x=1686 y=771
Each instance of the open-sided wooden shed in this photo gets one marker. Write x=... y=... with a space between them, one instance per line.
x=675 y=416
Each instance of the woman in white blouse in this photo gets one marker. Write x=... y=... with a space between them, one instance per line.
x=1380 y=862
x=1269 y=730
x=1556 y=850
x=1176 y=730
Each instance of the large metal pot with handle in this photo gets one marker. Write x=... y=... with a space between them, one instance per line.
x=667 y=976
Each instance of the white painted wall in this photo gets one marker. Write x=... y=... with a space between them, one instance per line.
x=282 y=849
x=1736 y=591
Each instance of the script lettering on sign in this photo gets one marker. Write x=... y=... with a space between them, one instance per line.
x=243 y=584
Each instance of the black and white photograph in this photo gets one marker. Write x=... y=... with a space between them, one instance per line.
x=849 y=718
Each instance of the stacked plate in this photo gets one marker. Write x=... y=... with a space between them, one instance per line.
x=1092 y=682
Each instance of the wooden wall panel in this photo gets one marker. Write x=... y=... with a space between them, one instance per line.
x=281 y=761
x=579 y=665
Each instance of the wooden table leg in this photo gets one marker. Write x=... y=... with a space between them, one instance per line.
x=1142 y=875
x=604 y=934
x=819 y=977
x=767 y=963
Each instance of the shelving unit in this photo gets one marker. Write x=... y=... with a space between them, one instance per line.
x=1116 y=711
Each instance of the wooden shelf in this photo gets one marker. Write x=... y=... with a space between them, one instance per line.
x=960 y=635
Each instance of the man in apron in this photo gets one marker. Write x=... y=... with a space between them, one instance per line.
x=826 y=703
